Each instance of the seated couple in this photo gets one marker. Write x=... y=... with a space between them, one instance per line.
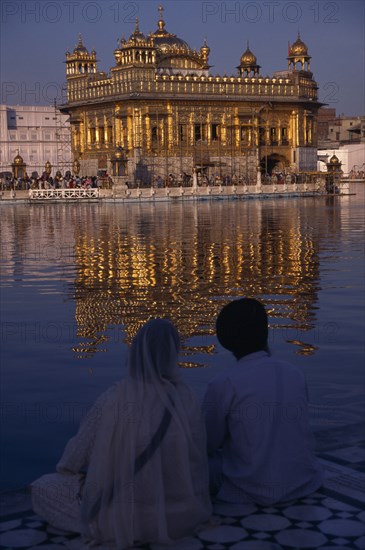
x=138 y=470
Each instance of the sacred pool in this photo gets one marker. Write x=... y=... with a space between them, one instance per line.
x=78 y=280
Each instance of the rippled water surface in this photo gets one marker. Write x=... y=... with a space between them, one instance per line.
x=77 y=282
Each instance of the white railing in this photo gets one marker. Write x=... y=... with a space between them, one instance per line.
x=60 y=194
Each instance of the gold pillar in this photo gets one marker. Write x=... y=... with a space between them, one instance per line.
x=267 y=130
x=88 y=133
x=224 y=129
x=130 y=140
x=209 y=128
x=304 y=131
x=106 y=136
x=191 y=124
x=148 y=131
x=294 y=131
x=117 y=132
x=97 y=133
x=113 y=133
x=83 y=135
x=250 y=133
x=237 y=129
x=137 y=130
x=170 y=135
x=161 y=132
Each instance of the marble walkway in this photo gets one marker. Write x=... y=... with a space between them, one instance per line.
x=330 y=519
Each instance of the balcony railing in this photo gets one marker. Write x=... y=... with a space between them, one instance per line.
x=61 y=194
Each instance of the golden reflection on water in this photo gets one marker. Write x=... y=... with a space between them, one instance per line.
x=116 y=266
x=184 y=261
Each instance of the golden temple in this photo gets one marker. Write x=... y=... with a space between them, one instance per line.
x=160 y=113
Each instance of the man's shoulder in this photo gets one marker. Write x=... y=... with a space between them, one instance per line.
x=285 y=366
x=252 y=366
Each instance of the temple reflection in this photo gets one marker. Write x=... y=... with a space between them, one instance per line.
x=185 y=261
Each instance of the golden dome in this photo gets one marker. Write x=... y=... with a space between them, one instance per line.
x=18 y=160
x=137 y=35
x=298 y=48
x=334 y=160
x=166 y=41
x=248 y=58
x=80 y=48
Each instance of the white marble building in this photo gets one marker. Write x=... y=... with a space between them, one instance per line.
x=38 y=134
x=351 y=156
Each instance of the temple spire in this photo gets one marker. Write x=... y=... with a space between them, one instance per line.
x=161 y=22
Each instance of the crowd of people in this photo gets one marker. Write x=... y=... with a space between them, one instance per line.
x=58 y=181
x=105 y=181
x=357 y=174
x=149 y=461
x=210 y=180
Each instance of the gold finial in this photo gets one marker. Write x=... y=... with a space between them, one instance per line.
x=80 y=40
x=137 y=25
x=161 y=22
x=205 y=50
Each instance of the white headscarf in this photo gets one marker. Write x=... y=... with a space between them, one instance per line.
x=148 y=475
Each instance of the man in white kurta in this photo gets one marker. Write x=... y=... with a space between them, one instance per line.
x=257 y=417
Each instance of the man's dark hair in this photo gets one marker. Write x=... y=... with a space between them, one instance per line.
x=242 y=327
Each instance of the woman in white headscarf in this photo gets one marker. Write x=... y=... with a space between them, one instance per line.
x=143 y=446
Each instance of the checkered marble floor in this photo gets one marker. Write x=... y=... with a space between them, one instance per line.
x=330 y=519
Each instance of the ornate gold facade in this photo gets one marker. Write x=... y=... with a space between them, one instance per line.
x=160 y=112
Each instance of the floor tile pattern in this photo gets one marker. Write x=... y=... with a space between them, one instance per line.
x=330 y=519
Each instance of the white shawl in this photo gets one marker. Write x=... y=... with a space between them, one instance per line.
x=147 y=479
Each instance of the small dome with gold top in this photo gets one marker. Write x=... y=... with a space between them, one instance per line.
x=298 y=47
x=205 y=50
x=18 y=159
x=248 y=58
x=137 y=35
x=80 y=48
x=334 y=160
x=298 y=58
x=248 y=64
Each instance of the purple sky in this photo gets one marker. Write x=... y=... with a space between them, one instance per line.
x=36 y=34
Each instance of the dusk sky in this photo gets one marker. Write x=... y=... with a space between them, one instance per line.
x=36 y=34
